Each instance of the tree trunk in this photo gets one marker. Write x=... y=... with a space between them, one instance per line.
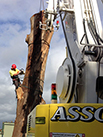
x=30 y=93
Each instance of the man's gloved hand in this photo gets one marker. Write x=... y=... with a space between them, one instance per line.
x=21 y=71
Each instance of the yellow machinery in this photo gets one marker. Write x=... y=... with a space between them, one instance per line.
x=66 y=120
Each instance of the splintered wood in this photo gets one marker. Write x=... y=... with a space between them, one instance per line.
x=19 y=93
x=30 y=93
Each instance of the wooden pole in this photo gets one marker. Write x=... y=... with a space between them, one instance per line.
x=30 y=93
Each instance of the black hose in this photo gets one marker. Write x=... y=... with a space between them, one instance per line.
x=96 y=32
x=91 y=29
x=85 y=31
x=92 y=33
x=73 y=62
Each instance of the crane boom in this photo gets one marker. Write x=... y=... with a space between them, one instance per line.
x=83 y=32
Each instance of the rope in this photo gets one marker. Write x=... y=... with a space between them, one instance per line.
x=25 y=86
x=40 y=87
x=41 y=3
x=36 y=78
x=29 y=87
x=30 y=44
x=45 y=42
x=39 y=91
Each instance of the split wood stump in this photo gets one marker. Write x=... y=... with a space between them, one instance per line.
x=29 y=94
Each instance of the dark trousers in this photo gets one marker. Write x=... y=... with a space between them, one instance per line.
x=16 y=82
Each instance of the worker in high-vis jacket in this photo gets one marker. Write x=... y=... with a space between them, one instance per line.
x=14 y=72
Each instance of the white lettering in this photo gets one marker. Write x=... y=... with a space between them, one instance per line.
x=75 y=114
x=98 y=114
x=86 y=112
x=59 y=115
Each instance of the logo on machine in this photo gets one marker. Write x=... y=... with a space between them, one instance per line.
x=76 y=113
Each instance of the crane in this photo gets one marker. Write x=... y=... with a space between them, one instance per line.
x=83 y=32
x=79 y=78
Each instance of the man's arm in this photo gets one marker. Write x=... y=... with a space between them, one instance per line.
x=17 y=72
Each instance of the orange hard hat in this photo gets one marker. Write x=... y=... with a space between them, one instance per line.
x=13 y=66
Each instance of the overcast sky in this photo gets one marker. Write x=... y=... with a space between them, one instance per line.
x=14 y=26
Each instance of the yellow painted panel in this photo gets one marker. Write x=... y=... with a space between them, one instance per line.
x=42 y=129
x=77 y=118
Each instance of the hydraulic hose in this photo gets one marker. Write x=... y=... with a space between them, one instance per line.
x=71 y=57
x=96 y=32
x=85 y=31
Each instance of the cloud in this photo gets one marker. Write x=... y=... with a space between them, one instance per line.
x=12 y=45
x=17 y=10
x=14 y=26
x=7 y=101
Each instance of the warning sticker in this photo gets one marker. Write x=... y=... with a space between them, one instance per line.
x=66 y=135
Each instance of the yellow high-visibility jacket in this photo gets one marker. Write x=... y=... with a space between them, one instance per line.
x=12 y=72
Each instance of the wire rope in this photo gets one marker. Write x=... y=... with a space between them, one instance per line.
x=41 y=4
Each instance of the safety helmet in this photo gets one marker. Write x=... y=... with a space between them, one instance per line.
x=13 y=66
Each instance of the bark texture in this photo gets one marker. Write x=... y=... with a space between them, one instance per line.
x=30 y=93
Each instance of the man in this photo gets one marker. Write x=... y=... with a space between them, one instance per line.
x=14 y=72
